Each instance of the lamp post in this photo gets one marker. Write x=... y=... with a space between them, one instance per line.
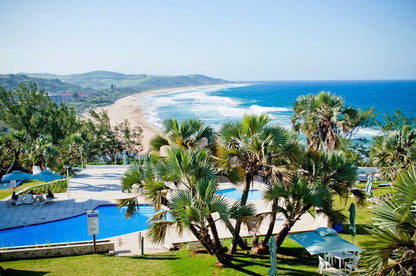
x=67 y=178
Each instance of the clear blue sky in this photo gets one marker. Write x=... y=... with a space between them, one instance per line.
x=234 y=40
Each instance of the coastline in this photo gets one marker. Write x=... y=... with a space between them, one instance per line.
x=132 y=109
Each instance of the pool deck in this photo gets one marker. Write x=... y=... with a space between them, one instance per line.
x=100 y=185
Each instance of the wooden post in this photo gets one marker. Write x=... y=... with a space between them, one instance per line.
x=93 y=243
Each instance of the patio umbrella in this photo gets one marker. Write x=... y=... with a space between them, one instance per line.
x=273 y=257
x=324 y=240
x=17 y=175
x=47 y=176
x=352 y=221
x=369 y=188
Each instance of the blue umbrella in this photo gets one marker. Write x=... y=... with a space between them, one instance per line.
x=369 y=188
x=273 y=257
x=47 y=176
x=17 y=175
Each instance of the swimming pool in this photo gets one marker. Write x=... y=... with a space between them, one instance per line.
x=111 y=223
x=236 y=194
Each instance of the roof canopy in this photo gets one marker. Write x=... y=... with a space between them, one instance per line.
x=324 y=240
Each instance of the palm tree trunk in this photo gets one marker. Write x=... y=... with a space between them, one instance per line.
x=280 y=237
x=243 y=201
x=218 y=250
x=271 y=223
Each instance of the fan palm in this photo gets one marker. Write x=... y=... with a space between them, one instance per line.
x=298 y=197
x=251 y=145
x=187 y=134
x=195 y=212
x=395 y=151
x=391 y=248
x=322 y=118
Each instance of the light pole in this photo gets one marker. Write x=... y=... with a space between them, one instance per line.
x=67 y=178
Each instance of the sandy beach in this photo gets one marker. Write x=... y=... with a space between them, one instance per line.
x=131 y=108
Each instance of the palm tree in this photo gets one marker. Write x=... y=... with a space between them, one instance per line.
x=322 y=118
x=196 y=213
x=187 y=134
x=298 y=197
x=189 y=177
x=330 y=170
x=251 y=145
x=395 y=151
x=391 y=248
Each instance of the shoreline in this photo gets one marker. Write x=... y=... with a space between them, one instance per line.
x=132 y=109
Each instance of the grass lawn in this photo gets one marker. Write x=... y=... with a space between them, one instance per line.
x=294 y=260
x=29 y=183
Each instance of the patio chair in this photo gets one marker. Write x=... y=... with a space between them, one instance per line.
x=20 y=201
x=353 y=265
x=323 y=264
x=28 y=199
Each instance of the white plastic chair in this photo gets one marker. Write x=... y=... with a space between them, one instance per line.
x=353 y=265
x=323 y=264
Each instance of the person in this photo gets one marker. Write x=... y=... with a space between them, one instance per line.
x=15 y=196
x=50 y=194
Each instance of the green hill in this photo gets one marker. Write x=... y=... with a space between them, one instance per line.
x=104 y=79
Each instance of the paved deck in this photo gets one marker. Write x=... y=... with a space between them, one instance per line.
x=100 y=185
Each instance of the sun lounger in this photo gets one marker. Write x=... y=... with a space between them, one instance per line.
x=47 y=200
x=19 y=201
x=195 y=246
x=28 y=199
x=332 y=271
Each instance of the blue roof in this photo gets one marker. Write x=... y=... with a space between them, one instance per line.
x=324 y=240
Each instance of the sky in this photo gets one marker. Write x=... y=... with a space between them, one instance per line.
x=232 y=39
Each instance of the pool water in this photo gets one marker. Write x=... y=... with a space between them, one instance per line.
x=111 y=223
x=236 y=194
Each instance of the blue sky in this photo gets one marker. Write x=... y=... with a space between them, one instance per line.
x=234 y=40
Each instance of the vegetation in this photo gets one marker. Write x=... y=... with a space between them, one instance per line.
x=47 y=134
x=391 y=247
x=324 y=117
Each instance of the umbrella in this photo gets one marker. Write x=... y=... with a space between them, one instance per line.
x=352 y=221
x=324 y=240
x=47 y=176
x=273 y=257
x=17 y=175
x=369 y=188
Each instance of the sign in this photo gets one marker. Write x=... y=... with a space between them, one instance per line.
x=93 y=228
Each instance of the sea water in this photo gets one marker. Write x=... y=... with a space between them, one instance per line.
x=216 y=106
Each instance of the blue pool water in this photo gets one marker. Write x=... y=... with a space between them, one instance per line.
x=111 y=223
x=236 y=194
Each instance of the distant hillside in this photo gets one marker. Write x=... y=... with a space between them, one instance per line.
x=52 y=86
x=100 y=88
x=104 y=80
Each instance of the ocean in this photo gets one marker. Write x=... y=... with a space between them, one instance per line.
x=215 y=106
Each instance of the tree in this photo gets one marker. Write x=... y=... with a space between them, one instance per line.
x=395 y=121
x=395 y=151
x=130 y=138
x=324 y=117
x=190 y=133
x=391 y=248
x=330 y=170
x=251 y=145
x=298 y=196
x=30 y=110
x=190 y=176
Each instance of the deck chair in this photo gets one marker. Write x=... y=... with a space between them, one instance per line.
x=47 y=200
x=323 y=264
x=20 y=201
x=28 y=199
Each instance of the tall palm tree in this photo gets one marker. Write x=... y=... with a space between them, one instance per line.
x=391 y=248
x=322 y=118
x=183 y=184
x=187 y=134
x=395 y=151
x=330 y=170
x=251 y=145
x=298 y=197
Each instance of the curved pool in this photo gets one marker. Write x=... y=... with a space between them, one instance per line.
x=236 y=194
x=111 y=223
